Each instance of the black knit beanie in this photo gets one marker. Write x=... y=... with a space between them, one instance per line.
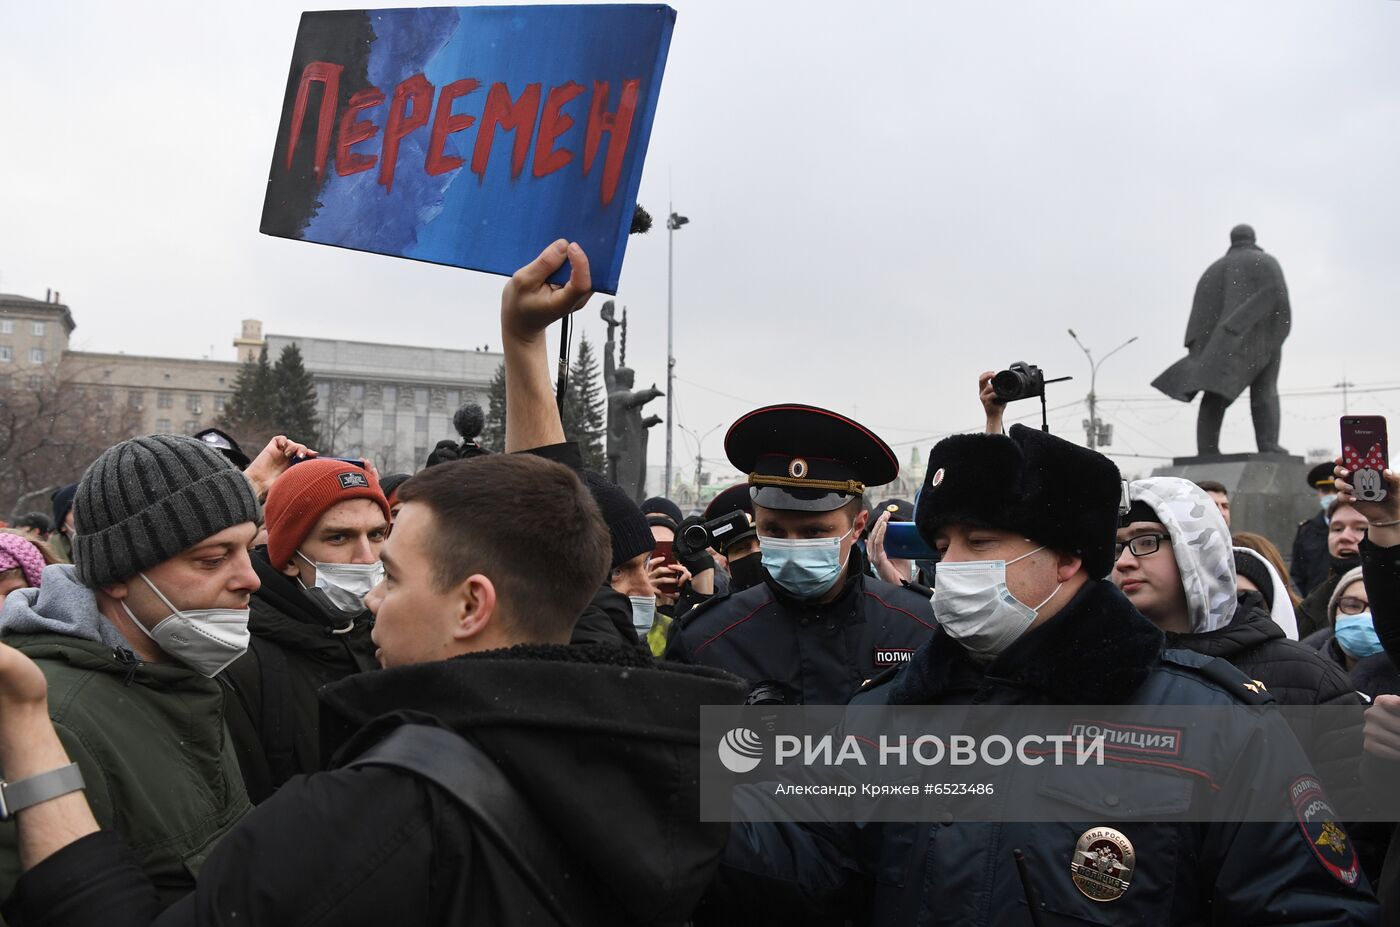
x=145 y=500
x=1254 y=570
x=631 y=535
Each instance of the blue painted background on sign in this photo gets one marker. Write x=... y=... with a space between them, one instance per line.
x=493 y=222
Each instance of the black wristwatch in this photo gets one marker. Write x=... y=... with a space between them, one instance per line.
x=16 y=796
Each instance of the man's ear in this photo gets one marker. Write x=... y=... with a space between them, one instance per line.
x=861 y=520
x=116 y=591
x=475 y=608
x=1066 y=565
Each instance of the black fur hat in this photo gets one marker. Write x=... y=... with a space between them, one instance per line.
x=1059 y=494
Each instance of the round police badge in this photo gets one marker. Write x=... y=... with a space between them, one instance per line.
x=797 y=468
x=1103 y=863
x=938 y=476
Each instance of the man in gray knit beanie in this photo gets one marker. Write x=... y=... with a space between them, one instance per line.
x=129 y=637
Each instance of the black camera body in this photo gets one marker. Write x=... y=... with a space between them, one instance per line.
x=716 y=533
x=1019 y=381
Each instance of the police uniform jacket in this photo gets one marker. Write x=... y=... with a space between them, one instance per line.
x=1098 y=650
x=1308 y=567
x=822 y=652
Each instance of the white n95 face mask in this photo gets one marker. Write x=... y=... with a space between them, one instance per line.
x=345 y=585
x=205 y=639
x=973 y=605
x=643 y=613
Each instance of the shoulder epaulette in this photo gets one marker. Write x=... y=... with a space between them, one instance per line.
x=700 y=608
x=922 y=590
x=1223 y=673
x=879 y=679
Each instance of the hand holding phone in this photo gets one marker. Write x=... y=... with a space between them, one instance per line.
x=1365 y=455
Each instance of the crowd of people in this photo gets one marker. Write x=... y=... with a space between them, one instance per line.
x=292 y=690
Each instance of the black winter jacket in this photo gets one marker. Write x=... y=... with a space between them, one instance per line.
x=1292 y=671
x=821 y=653
x=295 y=650
x=601 y=741
x=1098 y=650
x=1309 y=565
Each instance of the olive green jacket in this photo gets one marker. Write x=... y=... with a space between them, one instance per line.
x=155 y=754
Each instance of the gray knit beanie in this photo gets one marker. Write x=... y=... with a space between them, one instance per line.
x=147 y=499
x=1351 y=576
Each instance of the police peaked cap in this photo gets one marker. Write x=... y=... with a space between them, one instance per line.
x=804 y=459
x=1055 y=493
x=1321 y=476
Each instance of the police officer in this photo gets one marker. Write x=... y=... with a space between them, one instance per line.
x=1309 y=566
x=818 y=625
x=1026 y=526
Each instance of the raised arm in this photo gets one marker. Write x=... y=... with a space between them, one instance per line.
x=529 y=305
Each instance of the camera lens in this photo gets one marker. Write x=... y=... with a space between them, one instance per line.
x=1009 y=384
x=697 y=537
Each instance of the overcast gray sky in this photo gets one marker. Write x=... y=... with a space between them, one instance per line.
x=885 y=199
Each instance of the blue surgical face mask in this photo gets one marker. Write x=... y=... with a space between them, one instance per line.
x=1326 y=501
x=805 y=567
x=1356 y=635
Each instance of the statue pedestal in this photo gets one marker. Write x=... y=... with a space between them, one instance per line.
x=1268 y=492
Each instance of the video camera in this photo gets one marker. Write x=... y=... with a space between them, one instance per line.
x=716 y=533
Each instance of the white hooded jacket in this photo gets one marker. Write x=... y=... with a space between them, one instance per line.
x=1201 y=543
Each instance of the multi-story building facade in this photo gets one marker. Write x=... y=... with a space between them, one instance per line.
x=390 y=403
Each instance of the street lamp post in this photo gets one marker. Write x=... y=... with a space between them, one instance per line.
x=1097 y=433
x=699 y=455
x=673 y=222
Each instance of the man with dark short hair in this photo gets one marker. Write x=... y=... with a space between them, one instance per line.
x=1219 y=495
x=489 y=564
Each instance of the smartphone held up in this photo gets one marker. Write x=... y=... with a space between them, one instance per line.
x=1366 y=454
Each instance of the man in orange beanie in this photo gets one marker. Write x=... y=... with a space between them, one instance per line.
x=326 y=521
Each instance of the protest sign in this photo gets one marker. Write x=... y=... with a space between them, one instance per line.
x=469 y=136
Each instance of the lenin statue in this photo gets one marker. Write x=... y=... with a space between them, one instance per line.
x=1239 y=320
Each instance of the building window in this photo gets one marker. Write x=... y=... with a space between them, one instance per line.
x=7 y=353
x=420 y=425
x=194 y=403
x=36 y=382
x=391 y=396
x=323 y=392
x=38 y=329
x=357 y=392
x=219 y=403
x=165 y=401
x=104 y=394
x=191 y=427
x=36 y=355
x=163 y=425
x=135 y=399
x=420 y=455
x=7 y=326
x=4 y=381
x=420 y=398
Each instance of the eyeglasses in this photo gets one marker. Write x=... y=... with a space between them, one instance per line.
x=1141 y=546
x=1351 y=605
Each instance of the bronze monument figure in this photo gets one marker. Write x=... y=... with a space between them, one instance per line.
x=627 y=430
x=1239 y=320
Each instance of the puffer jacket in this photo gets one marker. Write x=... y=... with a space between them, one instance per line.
x=150 y=739
x=1292 y=671
x=1098 y=650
